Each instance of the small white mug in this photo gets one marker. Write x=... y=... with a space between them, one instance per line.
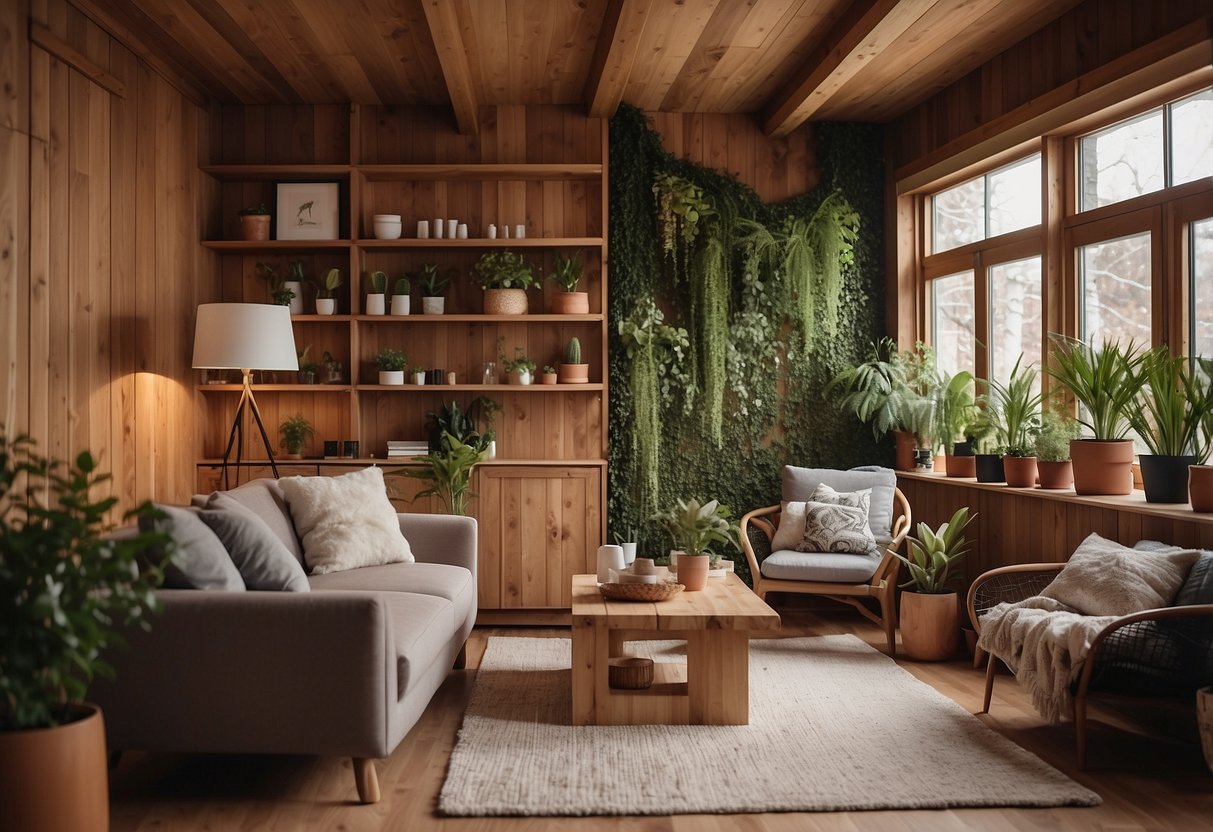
x=609 y=557
x=423 y=229
x=452 y=228
x=461 y=233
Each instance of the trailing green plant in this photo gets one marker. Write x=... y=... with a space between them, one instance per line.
x=503 y=270
x=295 y=431
x=403 y=287
x=681 y=204
x=1057 y=428
x=932 y=554
x=956 y=409
x=572 y=351
x=1171 y=405
x=391 y=360
x=1019 y=406
x=815 y=252
x=69 y=591
x=376 y=282
x=566 y=271
x=1102 y=380
x=280 y=295
x=710 y=305
x=695 y=529
x=430 y=280
x=327 y=288
x=449 y=472
x=519 y=363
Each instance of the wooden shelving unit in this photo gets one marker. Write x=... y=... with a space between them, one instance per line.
x=542 y=500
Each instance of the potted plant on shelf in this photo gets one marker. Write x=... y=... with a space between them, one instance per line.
x=929 y=610
x=391 y=366
x=433 y=286
x=294 y=433
x=1168 y=415
x=294 y=282
x=1020 y=409
x=571 y=370
x=1200 y=476
x=69 y=592
x=331 y=368
x=954 y=417
x=307 y=369
x=694 y=529
x=400 y=296
x=1057 y=429
x=417 y=374
x=326 y=292
x=504 y=276
x=1104 y=383
x=255 y=223
x=988 y=439
x=548 y=376
x=449 y=471
x=520 y=368
x=377 y=285
x=566 y=273
x=279 y=294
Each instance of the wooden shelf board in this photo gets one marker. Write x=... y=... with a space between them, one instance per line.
x=439 y=389
x=276 y=388
x=364 y=461
x=473 y=318
x=1135 y=502
x=480 y=171
x=254 y=246
x=297 y=173
x=482 y=242
x=312 y=318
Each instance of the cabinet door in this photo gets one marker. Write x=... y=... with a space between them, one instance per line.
x=539 y=526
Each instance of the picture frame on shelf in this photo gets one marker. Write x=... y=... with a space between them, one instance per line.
x=307 y=211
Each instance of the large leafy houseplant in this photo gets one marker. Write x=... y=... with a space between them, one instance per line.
x=1102 y=380
x=503 y=270
x=69 y=589
x=956 y=409
x=449 y=472
x=933 y=553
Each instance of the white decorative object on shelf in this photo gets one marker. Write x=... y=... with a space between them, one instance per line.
x=423 y=229
x=387 y=226
x=400 y=304
x=520 y=232
x=392 y=377
x=505 y=232
x=438 y=227
x=375 y=304
x=452 y=229
x=296 y=290
x=433 y=306
x=326 y=306
x=461 y=233
x=492 y=232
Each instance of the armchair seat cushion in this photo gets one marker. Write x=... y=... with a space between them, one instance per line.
x=829 y=567
x=438 y=580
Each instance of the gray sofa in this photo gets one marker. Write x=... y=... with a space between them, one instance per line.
x=345 y=669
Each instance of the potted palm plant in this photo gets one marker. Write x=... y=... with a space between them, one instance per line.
x=294 y=431
x=1057 y=429
x=1020 y=409
x=391 y=365
x=504 y=276
x=433 y=288
x=1168 y=415
x=326 y=292
x=449 y=471
x=69 y=591
x=929 y=610
x=566 y=273
x=694 y=529
x=1104 y=383
x=954 y=417
x=1200 y=476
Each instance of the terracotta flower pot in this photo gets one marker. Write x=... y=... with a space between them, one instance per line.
x=1020 y=471
x=903 y=450
x=548 y=378
x=960 y=466
x=1165 y=478
x=693 y=571
x=53 y=779
x=254 y=227
x=1102 y=466
x=1200 y=487
x=505 y=302
x=930 y=626
x=1055 y=474
x=570 y=303
x=573 y=373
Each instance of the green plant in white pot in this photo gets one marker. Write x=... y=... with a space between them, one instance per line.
x=929 y=609
x=695 y=528
x=69 y=591
x=1104 y=381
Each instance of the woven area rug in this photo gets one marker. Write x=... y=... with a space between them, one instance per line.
x=834 y=725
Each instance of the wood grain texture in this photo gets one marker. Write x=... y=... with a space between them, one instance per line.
x=452 y=57
x=614 y=55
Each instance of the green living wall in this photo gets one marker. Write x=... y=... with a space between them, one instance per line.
x=775 y=300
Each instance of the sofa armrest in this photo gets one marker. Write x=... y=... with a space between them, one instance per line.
x=441 y=538
x=255 y=672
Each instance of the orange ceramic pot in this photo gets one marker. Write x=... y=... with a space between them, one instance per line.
x=930 y=625
x=1102 y=466
x=570 y=303
x=693 y=571
x=254 y=227
x=1055 y=474
x=573 y=373
x=1020 y=471
x=960 y=466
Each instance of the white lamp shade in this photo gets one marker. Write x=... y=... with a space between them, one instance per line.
x=244 y=336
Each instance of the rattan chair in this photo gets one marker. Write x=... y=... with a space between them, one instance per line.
x=1163 y=655
x=758 y=530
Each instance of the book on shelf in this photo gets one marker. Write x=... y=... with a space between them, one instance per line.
x=407 y=447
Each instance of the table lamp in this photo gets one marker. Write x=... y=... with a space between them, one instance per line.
x=244 y=337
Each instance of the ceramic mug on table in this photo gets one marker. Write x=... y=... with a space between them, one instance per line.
x=609 y=557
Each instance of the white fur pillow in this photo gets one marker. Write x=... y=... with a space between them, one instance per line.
x=1104 y=578
x=345 y=522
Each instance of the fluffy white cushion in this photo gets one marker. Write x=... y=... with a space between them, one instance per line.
x=1104 y=578
x=345 y=522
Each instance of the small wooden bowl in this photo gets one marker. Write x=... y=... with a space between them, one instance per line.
x=630 y=673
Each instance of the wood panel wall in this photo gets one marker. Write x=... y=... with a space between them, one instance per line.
x=100 y=298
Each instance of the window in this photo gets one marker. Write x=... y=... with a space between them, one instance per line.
x=999 y=202
x=1114 y=287
x=952 y=320
x=1016 y=321
x=1201 y=270
x=1192 y=137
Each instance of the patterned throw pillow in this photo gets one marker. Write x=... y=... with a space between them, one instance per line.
x=855 y=499
x=836 y=528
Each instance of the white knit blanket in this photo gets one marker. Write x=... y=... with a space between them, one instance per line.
x=1045 y=643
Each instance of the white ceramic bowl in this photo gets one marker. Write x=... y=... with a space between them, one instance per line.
x=387 y=226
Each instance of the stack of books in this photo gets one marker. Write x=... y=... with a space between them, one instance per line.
x=397 y=448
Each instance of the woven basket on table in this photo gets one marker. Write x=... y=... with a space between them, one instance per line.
x=640 y=592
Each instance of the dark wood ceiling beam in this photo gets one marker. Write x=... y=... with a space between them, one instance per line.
x=234 y=33
x=443 y=21
x=615 y=55
x=862 y=33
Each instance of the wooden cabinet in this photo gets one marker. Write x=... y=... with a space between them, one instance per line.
x=541 y=504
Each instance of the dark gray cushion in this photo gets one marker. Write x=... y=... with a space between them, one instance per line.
x=264 y=498
x=799 y=484
x=199 y=559
x=264 y=562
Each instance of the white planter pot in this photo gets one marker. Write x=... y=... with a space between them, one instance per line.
x=375 y=305
x=391 y=376
x=400 y=304
x=326 y=306
x=492 y=449
x=296 y=301
x=520 y=377
x=432 y=306
x=419 y=378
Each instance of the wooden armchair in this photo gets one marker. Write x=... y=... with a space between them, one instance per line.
x=758 y=530
x=1146 y=655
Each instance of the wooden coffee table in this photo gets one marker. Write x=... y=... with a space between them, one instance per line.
x=712 y=688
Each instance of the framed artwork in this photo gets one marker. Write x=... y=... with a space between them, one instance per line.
x=308 y=211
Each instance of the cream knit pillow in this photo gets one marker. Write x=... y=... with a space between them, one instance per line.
x=345 y=522
x=1104 y=578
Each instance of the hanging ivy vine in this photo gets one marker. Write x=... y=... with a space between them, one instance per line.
x=774 y=299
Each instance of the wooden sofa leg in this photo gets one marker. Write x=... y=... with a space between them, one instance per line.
x=366 y=779
x=888 y=612
x=461 y=661
x=990 y=668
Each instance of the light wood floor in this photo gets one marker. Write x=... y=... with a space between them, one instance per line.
x=1147 y=781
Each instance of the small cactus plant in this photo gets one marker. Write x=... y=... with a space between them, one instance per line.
x=378 y=282
x=403 y=286
x=572 y=353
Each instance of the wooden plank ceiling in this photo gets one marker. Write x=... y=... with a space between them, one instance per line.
x=784 y=60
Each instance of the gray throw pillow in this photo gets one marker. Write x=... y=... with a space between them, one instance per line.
x=264 y=498
x=199 y=560
x=264 y=562
x=836 y=528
